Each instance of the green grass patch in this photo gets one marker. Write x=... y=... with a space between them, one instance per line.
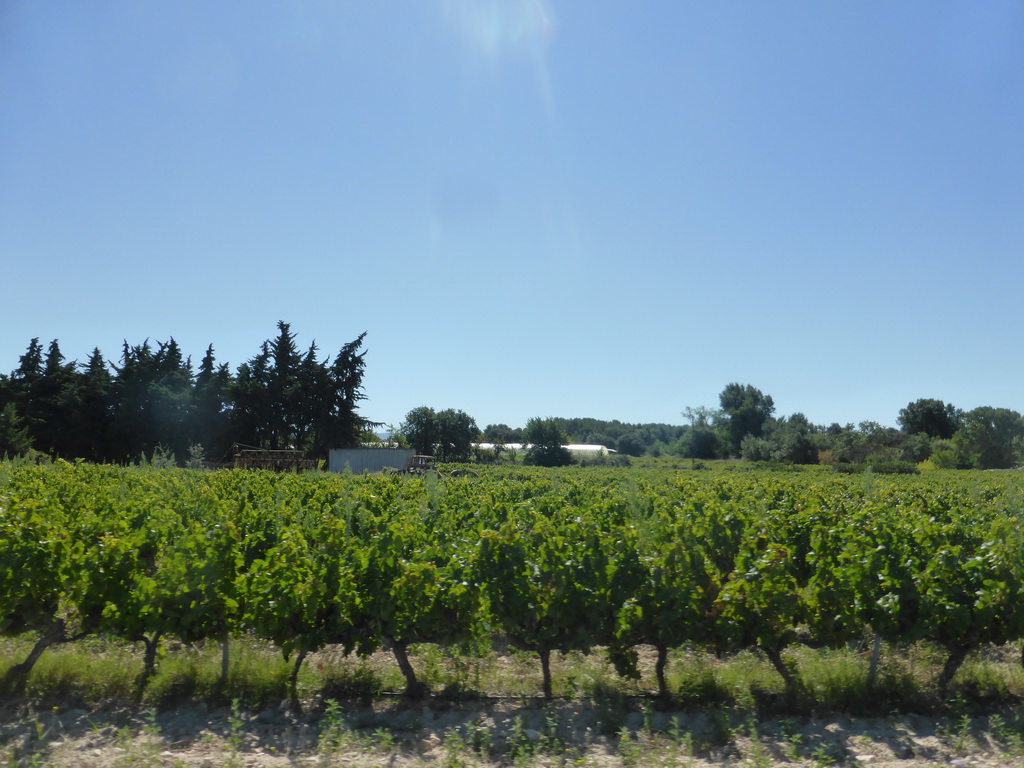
x=96 y=672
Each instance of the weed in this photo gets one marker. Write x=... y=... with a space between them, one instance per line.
x=647 y=716
x=631 y=751
x=759 y=757
x=479 y=738
x=1006 y=734
x=332 y=729
x=793 y=741
x=123 y=736
x=825 y=756
x=149 y=725
x=357 y=681
x=519 y=744
x=963 y=733
x=682 y=742
x=208 y=739
x=235 y=735
x=383 y=740
x=611 y=711
x=455 y=748
x=40 y=732
x=550 y=739
x=725 y=733
x=33 y=760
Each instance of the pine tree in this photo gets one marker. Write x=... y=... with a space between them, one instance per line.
x=348 y=369
x=90 y=422
x=23 y=386
x=14 y=438
x=170 y=399
x=250 y=396
x=54 y=402
x=211 y=399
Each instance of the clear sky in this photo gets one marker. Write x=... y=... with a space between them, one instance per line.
x=533 y=207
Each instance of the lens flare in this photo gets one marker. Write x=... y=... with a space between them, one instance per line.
x=500 y=28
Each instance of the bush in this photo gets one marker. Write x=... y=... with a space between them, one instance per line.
x=944 y=455
x=879 y=467
x=605 y=460
x=893 y=467
x=757 y=449
x=849 y=467
x=631 y=445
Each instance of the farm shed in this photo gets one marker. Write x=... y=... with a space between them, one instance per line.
x=360 y=460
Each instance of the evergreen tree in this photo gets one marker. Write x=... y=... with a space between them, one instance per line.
x=170 y=399
x=312 y=404
x=89 y=426
x=130 y=430
x=151 y=401
x=250 y=398
x=54 y=404
x=282 y=399
x=346 y=427
x=23 y=387
x=14 y=438
x=211 y=401
x=284 y=390
x=102 y=412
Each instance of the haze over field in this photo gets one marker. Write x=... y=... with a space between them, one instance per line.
x=533 y=207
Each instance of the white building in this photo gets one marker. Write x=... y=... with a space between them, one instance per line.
x=580 y=449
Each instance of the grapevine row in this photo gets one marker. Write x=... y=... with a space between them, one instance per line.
x=549 y=560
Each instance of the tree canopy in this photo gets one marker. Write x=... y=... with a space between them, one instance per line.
x=447 y=434
x=746 y=411
x=153 y=398
x=930 y=417
x=547 y=443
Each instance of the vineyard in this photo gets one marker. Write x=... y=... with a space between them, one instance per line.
x=539 y=560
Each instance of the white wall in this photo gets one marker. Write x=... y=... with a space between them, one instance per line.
x=360 y=460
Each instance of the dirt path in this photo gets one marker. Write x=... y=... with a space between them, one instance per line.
x=400 y=734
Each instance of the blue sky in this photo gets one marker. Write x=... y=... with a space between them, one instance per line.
x=533 y=207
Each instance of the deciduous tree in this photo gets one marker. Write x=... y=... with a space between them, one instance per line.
x=746 y=410
x=547 y=443
x=420 y=430
x=456 y=432
x=931 y=417
x=988 y=436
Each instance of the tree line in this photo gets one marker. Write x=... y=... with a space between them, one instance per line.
x=744 y=426
x=153 y=400
x=929 y=430
x=452 y=435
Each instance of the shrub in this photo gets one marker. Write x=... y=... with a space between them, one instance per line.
x=889 y=467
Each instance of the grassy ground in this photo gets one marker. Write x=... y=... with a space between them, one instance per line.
x=79 y=707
